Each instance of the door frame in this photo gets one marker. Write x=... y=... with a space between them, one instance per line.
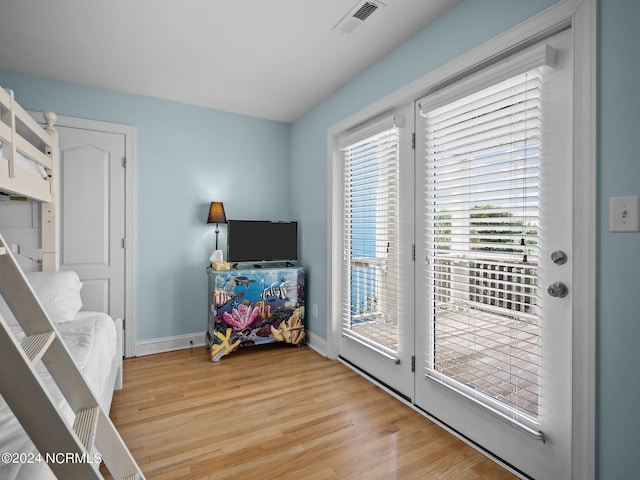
x=580 y=15
x=129 y=132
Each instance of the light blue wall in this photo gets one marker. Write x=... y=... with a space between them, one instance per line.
x=618 y=255
x=618 y=264
x=186 y=157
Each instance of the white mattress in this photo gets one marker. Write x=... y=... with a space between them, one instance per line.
x=91 y=339
x=26 y=164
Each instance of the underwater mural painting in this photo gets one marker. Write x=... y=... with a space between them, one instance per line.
x=253 y=307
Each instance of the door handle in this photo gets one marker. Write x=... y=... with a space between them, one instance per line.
x=558 y=289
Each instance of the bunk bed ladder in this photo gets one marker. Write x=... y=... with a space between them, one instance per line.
x=71 y=451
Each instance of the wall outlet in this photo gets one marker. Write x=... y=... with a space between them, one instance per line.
x=314 y=310
x=624 y=214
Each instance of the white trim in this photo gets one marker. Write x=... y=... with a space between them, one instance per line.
x=119 y=353
x=129 y=133
x=191 y=340
x=167 y=344
x=581 y=15
x=334 y=209
x=317 y=343
x=584 y=269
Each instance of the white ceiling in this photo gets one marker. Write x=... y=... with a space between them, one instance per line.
x=270 y=59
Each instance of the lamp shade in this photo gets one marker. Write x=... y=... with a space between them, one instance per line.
x=216 y=213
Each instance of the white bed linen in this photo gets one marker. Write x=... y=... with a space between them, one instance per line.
x=91 y=339
x=26 y=164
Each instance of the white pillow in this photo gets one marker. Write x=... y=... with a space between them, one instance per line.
x=58 y=292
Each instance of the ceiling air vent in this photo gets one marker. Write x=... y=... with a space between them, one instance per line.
x=356 y=16
x=365 y=10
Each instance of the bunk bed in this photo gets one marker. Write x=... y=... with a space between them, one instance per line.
x=28 y=168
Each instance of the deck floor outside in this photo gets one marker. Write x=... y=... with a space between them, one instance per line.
x=473 y=359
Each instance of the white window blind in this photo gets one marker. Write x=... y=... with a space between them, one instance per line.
x=370 y=259
x=482 y=178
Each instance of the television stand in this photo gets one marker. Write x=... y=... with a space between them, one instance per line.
x=254 y=306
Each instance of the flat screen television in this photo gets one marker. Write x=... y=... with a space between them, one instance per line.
x=261 y=241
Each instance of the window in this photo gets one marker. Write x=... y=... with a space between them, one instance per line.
x=369 y=309
x=483 y=210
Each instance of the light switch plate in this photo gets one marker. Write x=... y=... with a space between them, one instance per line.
x=624 y=214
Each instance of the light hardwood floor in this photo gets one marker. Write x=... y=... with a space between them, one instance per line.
x=278 y=412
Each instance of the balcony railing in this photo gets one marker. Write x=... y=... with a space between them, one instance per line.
x=366 y=279
x=501 y=286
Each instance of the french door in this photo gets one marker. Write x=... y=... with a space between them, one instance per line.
x=482 y=318
x=376 y=307
x=493 y=310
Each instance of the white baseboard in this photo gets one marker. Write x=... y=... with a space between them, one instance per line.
x=166 y=344
x=179 y=342
x=316 y=342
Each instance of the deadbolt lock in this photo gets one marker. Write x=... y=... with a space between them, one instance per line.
x=559 y=257
x=558 y=289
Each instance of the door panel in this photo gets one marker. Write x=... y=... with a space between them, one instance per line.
x=85 y=175
x=505 y=381
x=376 y=299
x=93 y=215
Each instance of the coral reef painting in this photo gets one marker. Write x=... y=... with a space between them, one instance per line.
x=253 y=307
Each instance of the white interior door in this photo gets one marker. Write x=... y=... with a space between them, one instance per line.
x=92 y=205
x=494 y=187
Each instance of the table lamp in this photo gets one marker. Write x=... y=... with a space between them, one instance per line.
x=216 y=215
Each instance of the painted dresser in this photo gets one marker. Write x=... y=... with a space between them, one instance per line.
x=253 y=307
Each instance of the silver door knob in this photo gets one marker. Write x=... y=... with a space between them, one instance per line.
x=558 y=289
